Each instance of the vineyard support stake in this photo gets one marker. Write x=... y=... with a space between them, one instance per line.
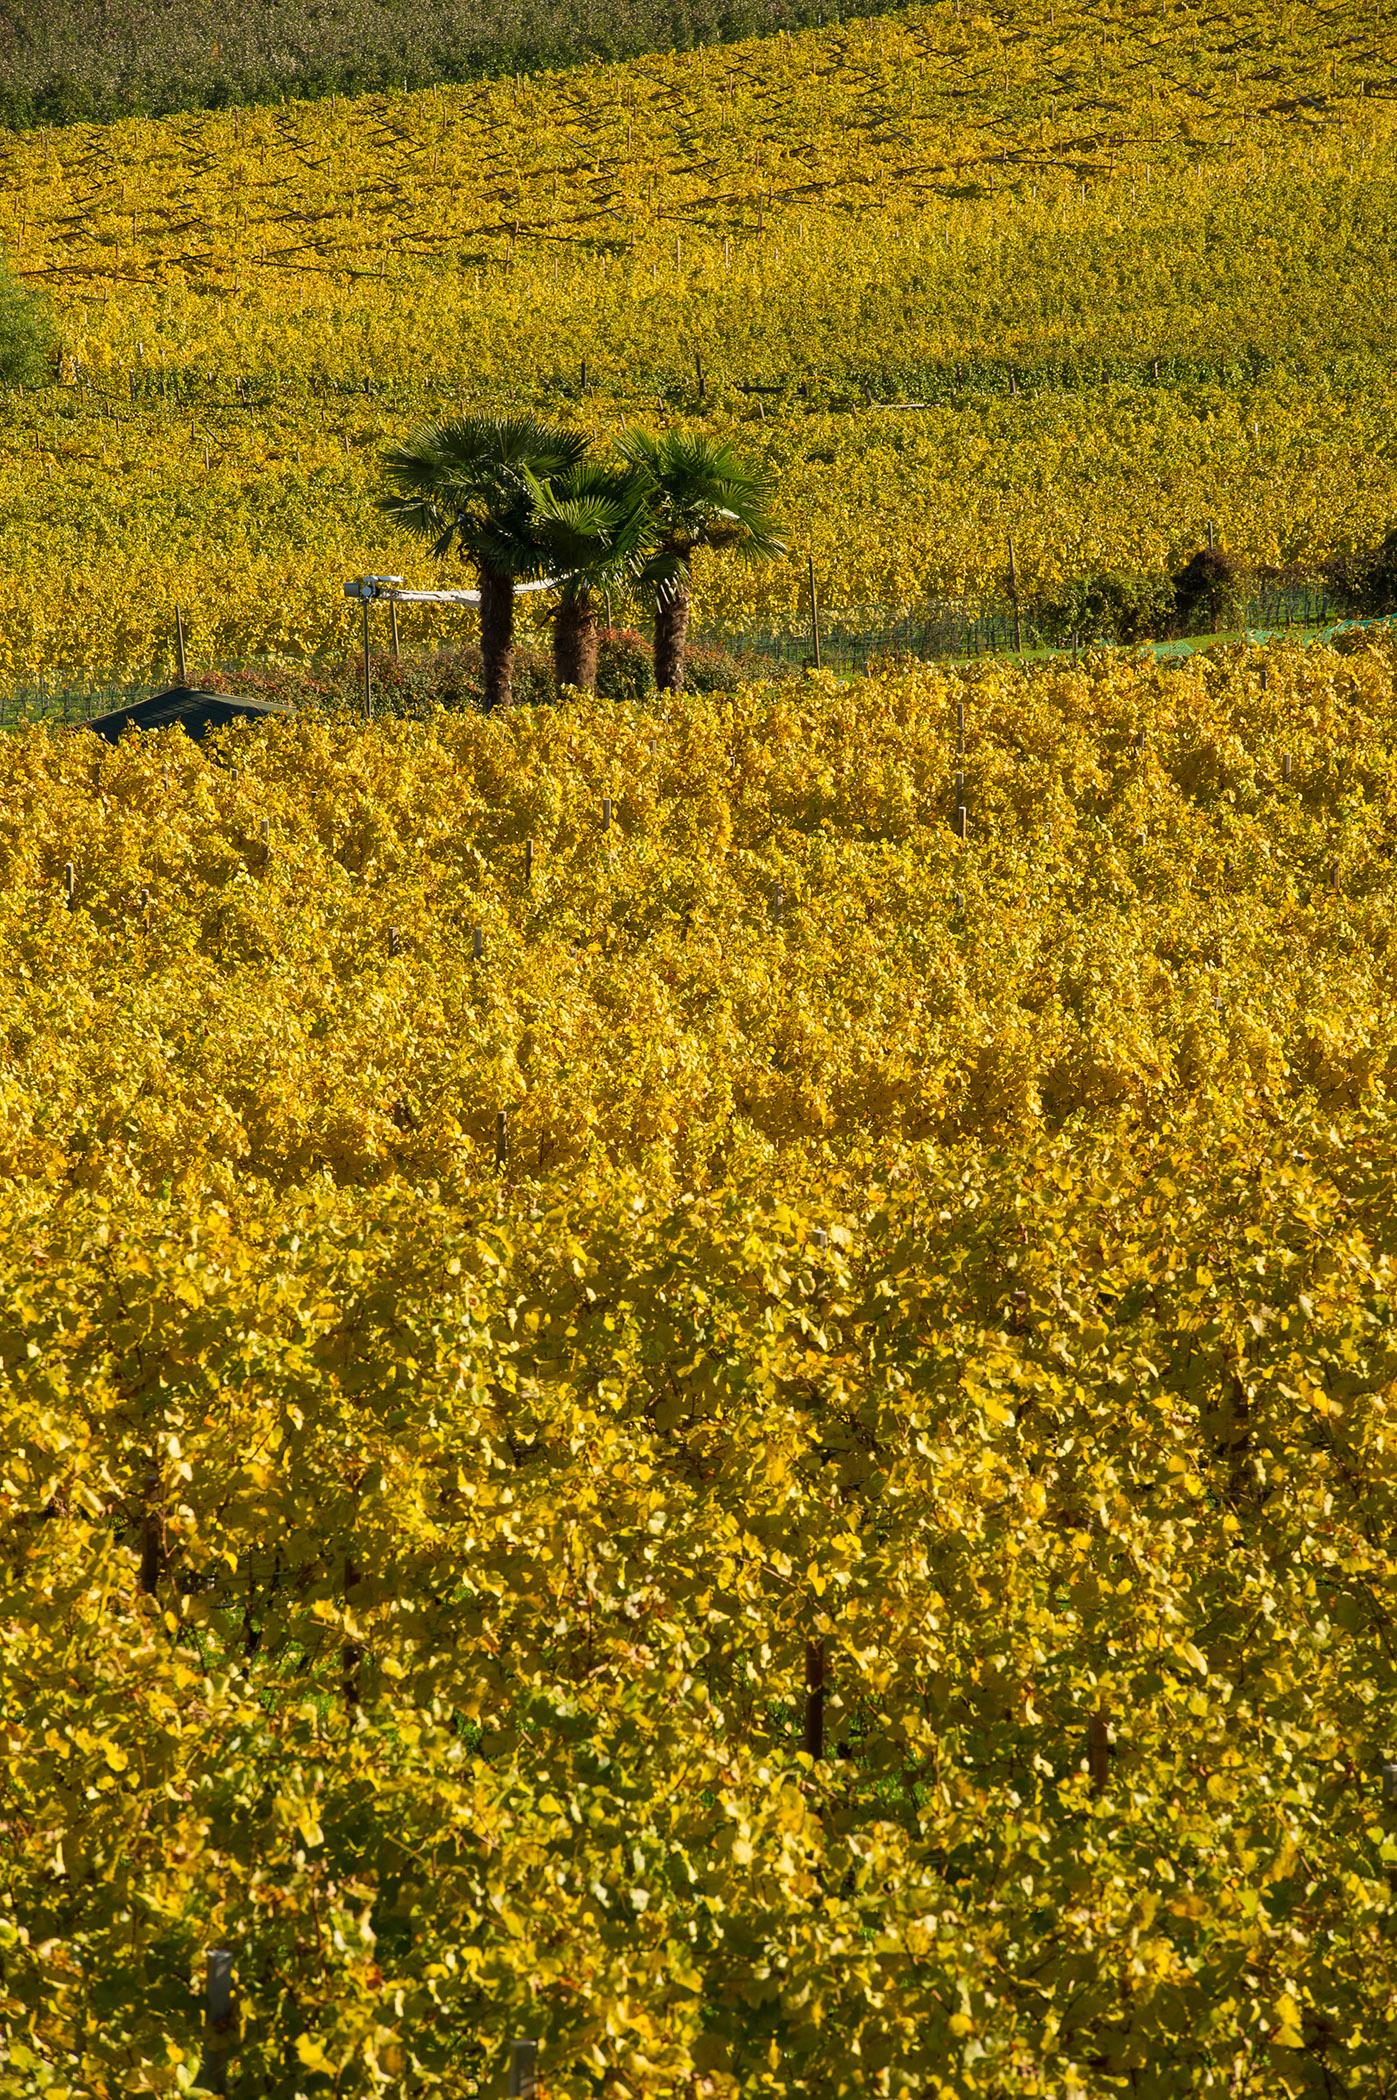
x=351 y=1653
x=814 y=1743
x=1099 y=1749
x=218 y=2020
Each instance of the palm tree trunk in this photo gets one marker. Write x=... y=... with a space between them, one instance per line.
x=575 y=640
x=497 y=637
x=671 y=633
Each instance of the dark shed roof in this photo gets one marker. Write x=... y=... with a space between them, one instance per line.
x=194 y=711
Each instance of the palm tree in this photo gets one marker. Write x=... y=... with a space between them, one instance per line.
x=699 y=494
x=593 y=525
x=465 y=482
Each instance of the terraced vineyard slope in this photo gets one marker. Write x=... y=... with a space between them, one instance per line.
x=1089 y=276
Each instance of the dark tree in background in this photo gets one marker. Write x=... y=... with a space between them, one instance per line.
x=1210 y=589
x=64 y=61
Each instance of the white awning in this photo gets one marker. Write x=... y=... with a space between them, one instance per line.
x=382 y=588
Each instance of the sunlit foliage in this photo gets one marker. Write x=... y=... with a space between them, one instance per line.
x=974 y=1254
x=1134 y=262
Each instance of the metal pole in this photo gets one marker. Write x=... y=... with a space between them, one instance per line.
x=393 y=620
x=368 y=673
x=179 y=646
x=814 y=610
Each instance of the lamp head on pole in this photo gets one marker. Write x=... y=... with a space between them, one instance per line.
x=367 y=588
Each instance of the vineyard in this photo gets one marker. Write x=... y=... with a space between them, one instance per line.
x=697 y=1390
x=1091 y=276
x=707 y=1384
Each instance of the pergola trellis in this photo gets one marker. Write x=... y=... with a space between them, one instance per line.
x=390 y=590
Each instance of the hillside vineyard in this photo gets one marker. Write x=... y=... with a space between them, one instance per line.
x=1095 y=277
x=774 y=1474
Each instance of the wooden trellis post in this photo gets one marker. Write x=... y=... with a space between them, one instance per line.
x=1099 y=1749
x=218 y=2020
x=523 y=2070
x=814 y=1739
x=351 y=1652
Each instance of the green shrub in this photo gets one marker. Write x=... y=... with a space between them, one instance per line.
x=28 y=345
x=1210 y=590
x=1107 y=607
x=717 y=670
x=1367 y=581
x=625 y=665
x=411 y=685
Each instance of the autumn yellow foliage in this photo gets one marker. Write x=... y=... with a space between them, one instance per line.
x=1090 y=279
x=961 y=1264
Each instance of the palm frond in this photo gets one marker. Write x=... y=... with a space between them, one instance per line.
x=463 y=481
x=701 y=494
x=593 y=520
